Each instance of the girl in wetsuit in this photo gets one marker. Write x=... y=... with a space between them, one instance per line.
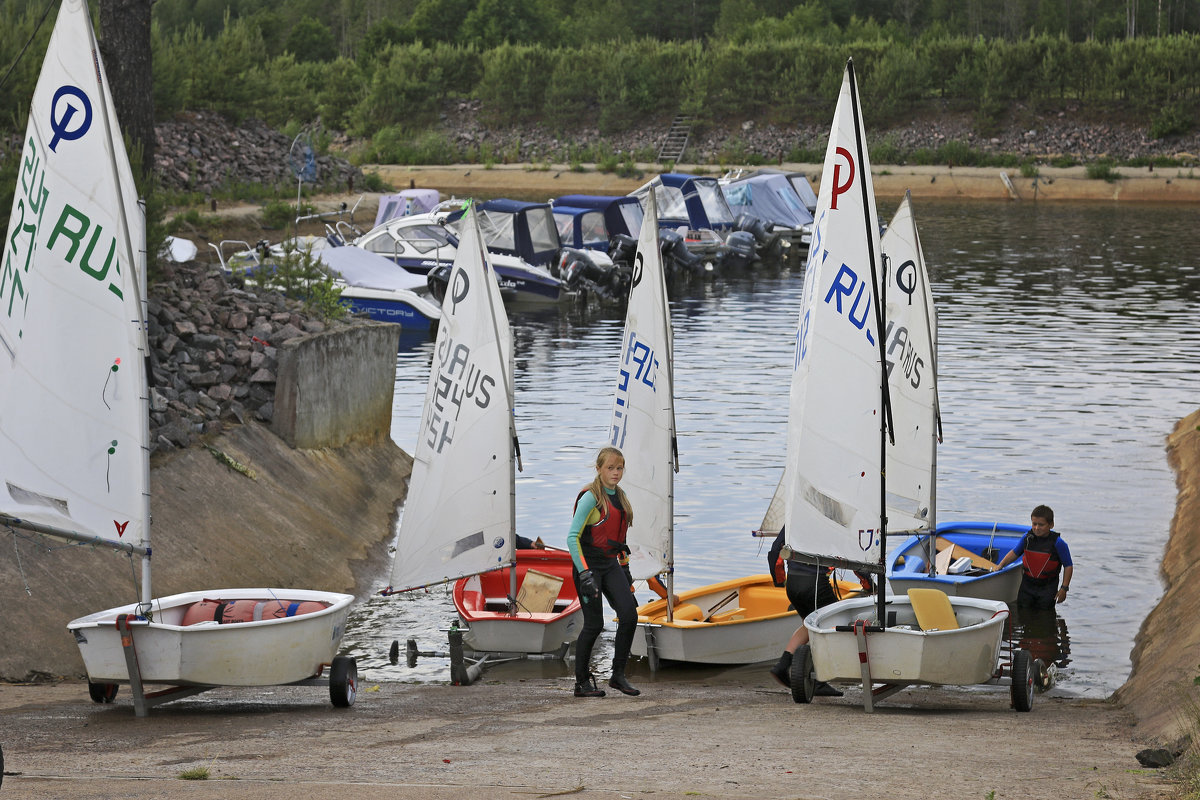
x=597 y=545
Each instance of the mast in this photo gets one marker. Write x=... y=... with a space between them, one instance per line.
x=506 y=370
x=137 y=263
x=860 y=145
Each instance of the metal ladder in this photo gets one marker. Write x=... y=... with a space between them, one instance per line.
x=677 y=138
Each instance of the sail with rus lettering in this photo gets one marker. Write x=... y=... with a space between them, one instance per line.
x=957 y=557
x=839 y=429
x=459 y=521
x=74 y=409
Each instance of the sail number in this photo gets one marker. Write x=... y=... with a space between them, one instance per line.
x=639 y=365
x=28 y=207
x=459 y=380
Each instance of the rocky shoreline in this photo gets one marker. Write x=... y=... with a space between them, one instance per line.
x=213 y=351
x=202 y=152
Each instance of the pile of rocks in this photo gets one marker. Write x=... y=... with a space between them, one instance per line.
x=213 y=351
x=1060 y=134
x=199 y=152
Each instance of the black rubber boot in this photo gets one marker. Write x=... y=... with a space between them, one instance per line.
x=823 y=689
x=618 y=682
x=782 y=671
x=587 y=687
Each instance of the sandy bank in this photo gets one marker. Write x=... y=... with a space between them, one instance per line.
x=1160 y=691
x=537 y=182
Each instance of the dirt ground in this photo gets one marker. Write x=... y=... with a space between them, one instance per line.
x=732 y=735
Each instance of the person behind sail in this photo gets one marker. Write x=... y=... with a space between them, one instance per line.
x=808 y=588
x=596 y=541
x=1047 y=557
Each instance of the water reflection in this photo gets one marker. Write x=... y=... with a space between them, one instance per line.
x=1044 y=634
x=1067 y=353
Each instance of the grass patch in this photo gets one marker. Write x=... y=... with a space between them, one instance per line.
x=1103 y=170
x=194 y=774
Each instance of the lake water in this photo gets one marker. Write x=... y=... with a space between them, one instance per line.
x=1068 y=345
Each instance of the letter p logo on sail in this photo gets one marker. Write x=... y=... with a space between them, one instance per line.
x=63 y=113
x=840 y=187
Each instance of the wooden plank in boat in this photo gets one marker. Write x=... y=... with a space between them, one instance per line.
x=538 y=591
x=957 y=551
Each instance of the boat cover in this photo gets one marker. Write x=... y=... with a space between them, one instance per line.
x=358 y=267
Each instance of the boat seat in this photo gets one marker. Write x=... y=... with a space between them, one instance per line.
x=933 y=609
x=728 y=616
x=761 y=601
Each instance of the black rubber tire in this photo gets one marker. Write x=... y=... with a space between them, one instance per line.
x=803 y=682
x=343 y=681
x=410 y=653
x=102 y=692
x=1022 y=680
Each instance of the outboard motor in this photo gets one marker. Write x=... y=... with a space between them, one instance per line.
x=677 y=259
x=738 y=252
x=622 y=248
x=437 y=280
x=580 y=271
x=770 y=244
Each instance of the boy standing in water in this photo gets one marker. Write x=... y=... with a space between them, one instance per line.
x=1047 y=557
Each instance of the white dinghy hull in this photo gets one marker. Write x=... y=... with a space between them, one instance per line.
x=263 y=652
x=739 y=621
x=903 y=653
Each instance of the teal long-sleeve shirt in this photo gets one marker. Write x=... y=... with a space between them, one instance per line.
x=585 y=506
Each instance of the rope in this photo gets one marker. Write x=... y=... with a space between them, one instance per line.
x=33 y=36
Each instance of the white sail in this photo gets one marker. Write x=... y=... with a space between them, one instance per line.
x=459 y=516
x=643 y=418
x=72 y=340
x=833 y=447
x=911 y=354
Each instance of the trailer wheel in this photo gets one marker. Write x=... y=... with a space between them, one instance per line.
x=1022 y=680
x=803 y=683
x=343 y=681
x=102 y=692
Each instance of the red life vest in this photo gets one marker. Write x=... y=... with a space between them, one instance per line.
x=1040 y=560
x=606 y=536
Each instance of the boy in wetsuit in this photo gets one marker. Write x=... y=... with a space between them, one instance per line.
x=1047 y=558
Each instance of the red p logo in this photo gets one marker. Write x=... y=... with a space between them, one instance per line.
x=838 y=186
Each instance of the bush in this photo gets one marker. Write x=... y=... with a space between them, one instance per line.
x=1102 y=170
x=1174 y=120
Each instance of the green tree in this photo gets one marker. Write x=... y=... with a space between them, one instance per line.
x=311 y=40
x=495 y=22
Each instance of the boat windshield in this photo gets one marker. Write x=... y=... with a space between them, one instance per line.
x=543 y=234
x=632 y=214
x=424 y=238
x=591 y=228
x=714 y=203
x=498 y=229
x=671 y=204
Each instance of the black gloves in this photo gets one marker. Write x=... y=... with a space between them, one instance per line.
x=588 y=585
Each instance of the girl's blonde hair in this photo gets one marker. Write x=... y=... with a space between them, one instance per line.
x=597 y=485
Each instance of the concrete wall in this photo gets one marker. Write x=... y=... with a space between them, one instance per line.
x=312 y=411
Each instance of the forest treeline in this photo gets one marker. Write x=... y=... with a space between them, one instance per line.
x=383 y=70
